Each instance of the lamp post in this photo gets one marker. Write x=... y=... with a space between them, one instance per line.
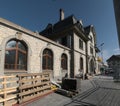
x=101 y=63
x=101 y=50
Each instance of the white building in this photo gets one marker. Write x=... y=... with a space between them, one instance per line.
x=67 y=48
x=81 y=40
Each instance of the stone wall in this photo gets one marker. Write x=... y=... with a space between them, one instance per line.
x=76 y=44
x=36 y=44
x=77 y=63
x=78 y=53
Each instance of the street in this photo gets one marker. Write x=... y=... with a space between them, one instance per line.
x=98 y=91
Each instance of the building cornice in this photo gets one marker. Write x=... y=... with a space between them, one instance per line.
x=80 y=33
x=30 y=33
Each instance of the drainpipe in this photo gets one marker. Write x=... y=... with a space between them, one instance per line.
x=72 y=71
x=86 y=57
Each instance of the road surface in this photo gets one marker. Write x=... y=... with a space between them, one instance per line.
x=98 y=91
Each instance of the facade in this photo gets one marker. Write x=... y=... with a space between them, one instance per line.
x=65 y=48
x=23 y=51
x=81 y=40
x=114 y=62
x=117 y=16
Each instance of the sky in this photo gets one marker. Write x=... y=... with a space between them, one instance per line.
x=36 y=14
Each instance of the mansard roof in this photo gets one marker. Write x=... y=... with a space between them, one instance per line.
x=114 y=57
x=66 y=24
x=69 y=21
x=60 y=25
x=89 y=29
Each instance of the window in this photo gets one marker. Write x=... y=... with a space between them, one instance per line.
x=91 y=39
x=64 y=61
x=81 y=63
x=91 y=50
x=80 y=44
x=47 y=61
x=16 y=55
x=64 y=41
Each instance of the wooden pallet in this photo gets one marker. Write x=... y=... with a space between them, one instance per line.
x=23 y=87
x=8 y=90
x=33 y=85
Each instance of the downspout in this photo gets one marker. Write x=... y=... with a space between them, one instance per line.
x=86 y=57
x=72 y=57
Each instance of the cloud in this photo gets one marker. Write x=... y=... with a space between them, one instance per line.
x=116 y=51
x=106 y=55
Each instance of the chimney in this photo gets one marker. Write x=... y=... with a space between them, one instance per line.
x=61 y=14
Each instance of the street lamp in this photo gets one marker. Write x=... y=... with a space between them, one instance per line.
x=101 y=50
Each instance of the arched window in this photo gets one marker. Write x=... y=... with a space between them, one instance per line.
x=64 y=61
x=16 y=55
x=47 y=60
x=81 y=63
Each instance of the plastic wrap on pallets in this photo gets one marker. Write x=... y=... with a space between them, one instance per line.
x=13 y=84
x=71 y=84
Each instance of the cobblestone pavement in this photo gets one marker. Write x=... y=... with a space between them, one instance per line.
x=105 y=93
x=53 y=99
x=59 y=100
x=99 y=91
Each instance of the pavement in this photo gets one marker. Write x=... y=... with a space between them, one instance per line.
x=98 y=91
x=55 y=99
x=104 y=93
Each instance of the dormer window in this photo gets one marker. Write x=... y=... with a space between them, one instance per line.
x=64 y=41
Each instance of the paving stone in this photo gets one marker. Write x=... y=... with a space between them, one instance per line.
x=106 y=94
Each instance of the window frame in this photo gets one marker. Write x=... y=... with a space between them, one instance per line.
x=81 y=63
x=81 y=44
x=18 y=50
x=91 y=50
x=46 y=59
x=64 y=62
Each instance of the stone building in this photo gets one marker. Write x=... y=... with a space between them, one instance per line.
x=23 y=51
x=63 y=48
x=81 y=40
x=114 y=62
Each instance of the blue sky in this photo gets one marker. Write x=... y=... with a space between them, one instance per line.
x=36 y=14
